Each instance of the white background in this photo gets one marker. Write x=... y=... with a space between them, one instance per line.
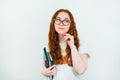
x=24 y=26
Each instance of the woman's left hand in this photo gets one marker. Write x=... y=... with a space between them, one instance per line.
x=69 y=39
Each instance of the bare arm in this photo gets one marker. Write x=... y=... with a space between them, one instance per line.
x=80 y=61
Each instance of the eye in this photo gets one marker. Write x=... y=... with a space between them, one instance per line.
x=67 y=21
x=57 y=20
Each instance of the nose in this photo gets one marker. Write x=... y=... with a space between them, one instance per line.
x=62 y=24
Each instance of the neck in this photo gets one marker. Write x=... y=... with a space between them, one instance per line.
x=61 y=37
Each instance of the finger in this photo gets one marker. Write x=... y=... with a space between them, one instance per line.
x=67 y=38
x=51 y=67
x=43 y=64
x=67 y=34
x=51 y=72
x=64 y=35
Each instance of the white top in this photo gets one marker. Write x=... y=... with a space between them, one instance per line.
x=63 y=71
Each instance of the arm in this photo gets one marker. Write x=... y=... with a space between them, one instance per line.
x=80 y=61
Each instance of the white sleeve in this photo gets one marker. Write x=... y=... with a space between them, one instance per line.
x=84 y=48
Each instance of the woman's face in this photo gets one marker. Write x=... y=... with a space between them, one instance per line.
x=62 y=23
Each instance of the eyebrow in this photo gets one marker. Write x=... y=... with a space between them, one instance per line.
x=60 y=18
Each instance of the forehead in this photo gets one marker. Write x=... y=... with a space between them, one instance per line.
x=63 y=15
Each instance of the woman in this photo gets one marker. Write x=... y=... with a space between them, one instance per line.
x=63 y=45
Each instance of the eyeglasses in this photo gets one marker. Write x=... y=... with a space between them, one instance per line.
x=65 y=22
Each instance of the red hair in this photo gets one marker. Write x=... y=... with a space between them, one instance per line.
x=53 y=40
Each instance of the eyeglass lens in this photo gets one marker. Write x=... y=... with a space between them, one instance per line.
x=65 y=22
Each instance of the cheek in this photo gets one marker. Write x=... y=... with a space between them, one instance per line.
x=67 y=28
x=56 y=27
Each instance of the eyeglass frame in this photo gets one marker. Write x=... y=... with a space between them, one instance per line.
x=61 y=21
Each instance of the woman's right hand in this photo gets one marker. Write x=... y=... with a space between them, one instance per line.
x=48 y=71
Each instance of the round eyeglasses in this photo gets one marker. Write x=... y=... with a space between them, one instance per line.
x=65 y=22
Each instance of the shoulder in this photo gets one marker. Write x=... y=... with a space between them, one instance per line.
x=84 y=49
x=85 y=55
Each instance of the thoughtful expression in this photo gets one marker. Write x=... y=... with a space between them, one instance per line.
x=62 y=23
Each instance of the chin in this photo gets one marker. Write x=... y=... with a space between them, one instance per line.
x=61 y=32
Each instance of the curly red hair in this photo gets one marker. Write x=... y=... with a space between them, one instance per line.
x=53 y=40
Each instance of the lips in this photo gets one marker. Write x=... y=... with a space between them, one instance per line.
x=61 y=28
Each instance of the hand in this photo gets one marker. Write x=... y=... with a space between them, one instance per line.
x=48 y=71
x=69 y=39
